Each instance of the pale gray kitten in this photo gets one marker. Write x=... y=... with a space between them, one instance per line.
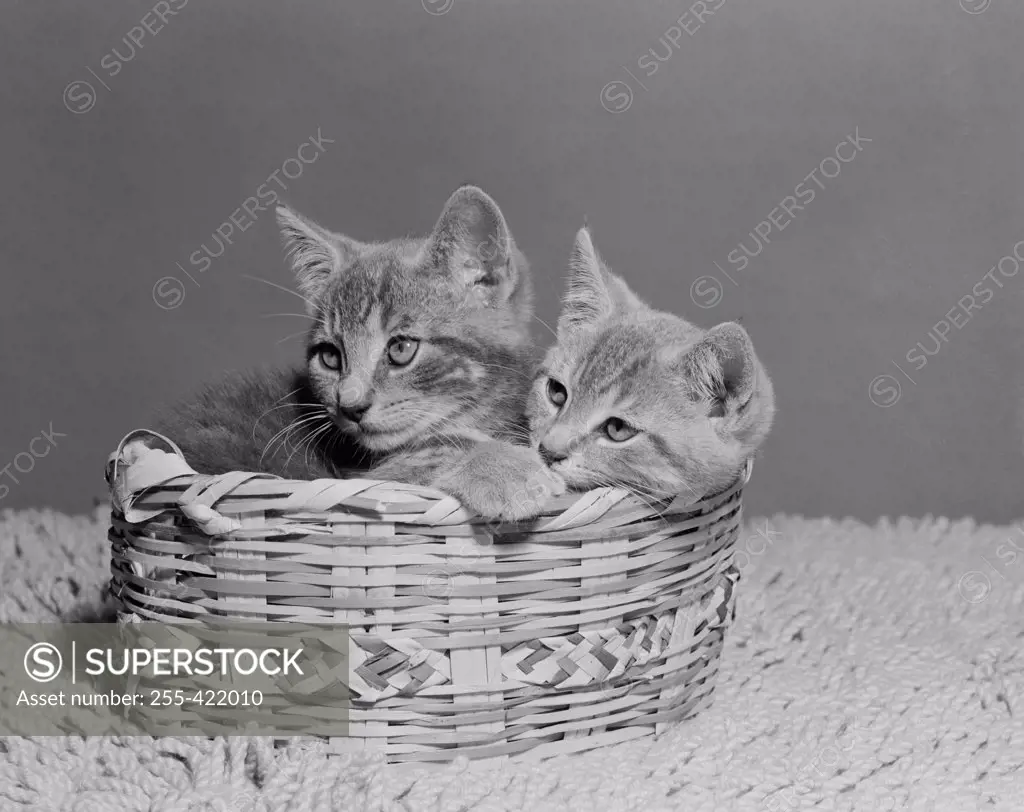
x=641 y=399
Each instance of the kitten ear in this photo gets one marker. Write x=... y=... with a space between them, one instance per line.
x=313 y=252
x=722 y=368
x=594 y=292
x=473 y=242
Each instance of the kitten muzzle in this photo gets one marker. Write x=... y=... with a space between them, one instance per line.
x=551 y=456
x=356 y=412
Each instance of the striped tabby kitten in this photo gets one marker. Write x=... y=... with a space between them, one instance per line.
x=418 y=364
x=641 y=399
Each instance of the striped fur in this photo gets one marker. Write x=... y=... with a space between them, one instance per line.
x=260 y=420
x=699 y=401
x=452 y=417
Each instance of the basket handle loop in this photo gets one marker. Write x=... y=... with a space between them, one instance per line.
x=142 y=460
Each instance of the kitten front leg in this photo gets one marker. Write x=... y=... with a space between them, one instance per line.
x=499 y=480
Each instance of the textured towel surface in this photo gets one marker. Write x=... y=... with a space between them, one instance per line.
x=870 y=668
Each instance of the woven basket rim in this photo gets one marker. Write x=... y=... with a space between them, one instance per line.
x=184 y=474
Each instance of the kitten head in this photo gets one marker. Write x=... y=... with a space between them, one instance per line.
x=633 y=397
x=415 y=338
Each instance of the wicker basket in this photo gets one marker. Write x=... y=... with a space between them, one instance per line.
x=602 y=621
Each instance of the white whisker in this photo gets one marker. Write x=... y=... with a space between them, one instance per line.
x=293 y=335
x=308 y=301
x=287 y=430
x=538 y=318
x=298 y=315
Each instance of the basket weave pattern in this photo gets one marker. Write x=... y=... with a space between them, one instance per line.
x=599 y=622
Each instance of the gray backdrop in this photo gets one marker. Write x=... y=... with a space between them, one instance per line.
x=559 y=110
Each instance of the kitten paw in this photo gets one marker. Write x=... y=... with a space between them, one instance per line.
x=504 y=482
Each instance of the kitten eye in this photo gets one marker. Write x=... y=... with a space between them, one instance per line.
x=329 y=356
x=618 y=430
x=401 y=351
x=557 y=393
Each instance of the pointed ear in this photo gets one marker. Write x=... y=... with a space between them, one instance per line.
x=472 y=242
x=313 y=252
x=721 y=368
x=594 y=292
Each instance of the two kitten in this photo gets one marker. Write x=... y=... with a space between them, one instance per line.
x=419 y=369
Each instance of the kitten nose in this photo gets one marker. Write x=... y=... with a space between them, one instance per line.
x=551 y=457
x=355 y=412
